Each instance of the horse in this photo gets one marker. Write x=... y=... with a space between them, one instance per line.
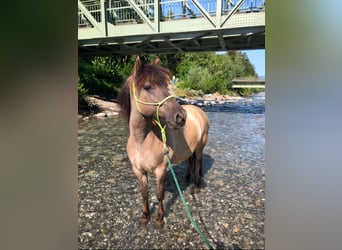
x=157 y=121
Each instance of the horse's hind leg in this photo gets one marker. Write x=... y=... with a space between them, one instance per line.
x=190 y=164
x=198 y=170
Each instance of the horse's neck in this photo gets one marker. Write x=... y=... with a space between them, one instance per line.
x=139 y=126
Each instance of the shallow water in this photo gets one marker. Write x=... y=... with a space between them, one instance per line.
x=229 y=209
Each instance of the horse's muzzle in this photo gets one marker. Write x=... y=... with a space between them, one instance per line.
x=180 y=118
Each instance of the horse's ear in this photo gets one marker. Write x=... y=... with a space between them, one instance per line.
x=157 y=61
x=137 y=64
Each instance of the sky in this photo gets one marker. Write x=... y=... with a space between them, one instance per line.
x=257 y=58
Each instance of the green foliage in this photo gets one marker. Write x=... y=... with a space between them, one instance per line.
x=197 y=78
x=211 y=73
x=82 y=91
x=102 y=75
x=187 y=92
x=198 y=73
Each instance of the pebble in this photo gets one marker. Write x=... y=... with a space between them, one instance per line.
x=111 y=180
x=248 y=216
x=236 y=229
x=91 y=173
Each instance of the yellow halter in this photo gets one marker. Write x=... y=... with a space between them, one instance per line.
x=158 y=105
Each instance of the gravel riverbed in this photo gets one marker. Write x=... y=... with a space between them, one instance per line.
x=229 y=209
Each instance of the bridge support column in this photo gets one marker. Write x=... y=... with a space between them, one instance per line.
x=104 y=17
x=218 y=13
x=157 y=15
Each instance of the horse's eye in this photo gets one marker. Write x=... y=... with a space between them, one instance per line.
x=148 y=87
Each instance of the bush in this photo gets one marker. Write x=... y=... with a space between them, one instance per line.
x=212 y=73
x=187 y=92
x=100 y=75
x=82 y=91
x=200 y=79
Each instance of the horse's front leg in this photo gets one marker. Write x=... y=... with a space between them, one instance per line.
x=160 y=175
x=142 y=177
x=144 y=194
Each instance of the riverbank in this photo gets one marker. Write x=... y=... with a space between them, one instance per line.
x=99 y=107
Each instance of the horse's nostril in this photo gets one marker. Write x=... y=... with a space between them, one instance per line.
x=179 y=119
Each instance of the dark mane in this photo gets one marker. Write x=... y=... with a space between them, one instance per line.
x=155 y=75
x=124 y=100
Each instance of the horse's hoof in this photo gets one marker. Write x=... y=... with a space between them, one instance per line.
x=144 y=220
x=159 y=223
x=197 y=190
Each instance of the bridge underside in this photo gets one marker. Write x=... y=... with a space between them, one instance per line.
x=189 y=26
x=170 y=43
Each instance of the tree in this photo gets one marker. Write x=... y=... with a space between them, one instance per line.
x=204 y=72
x=210 y=72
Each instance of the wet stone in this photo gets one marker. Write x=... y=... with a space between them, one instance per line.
x=229 y=208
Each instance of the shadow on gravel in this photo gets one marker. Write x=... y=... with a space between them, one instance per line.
x=180 y=171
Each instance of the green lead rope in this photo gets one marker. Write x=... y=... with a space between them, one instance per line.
x=166 y=152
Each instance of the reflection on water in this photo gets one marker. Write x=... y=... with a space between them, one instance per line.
x=229 y=209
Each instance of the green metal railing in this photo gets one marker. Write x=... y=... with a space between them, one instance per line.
x=122 y=12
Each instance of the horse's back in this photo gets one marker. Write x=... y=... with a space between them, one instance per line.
x=197 y=113
x=197 y=117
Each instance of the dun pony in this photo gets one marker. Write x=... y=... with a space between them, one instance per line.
x=145 y=100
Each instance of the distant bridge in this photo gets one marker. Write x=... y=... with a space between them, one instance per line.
x=244 y=83
x=126 y=27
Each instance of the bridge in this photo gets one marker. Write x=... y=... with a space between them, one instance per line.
x=126 y=27
x=248 y=83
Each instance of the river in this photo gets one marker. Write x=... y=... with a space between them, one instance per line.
x=229 y=209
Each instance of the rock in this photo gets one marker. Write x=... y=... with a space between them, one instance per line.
x=226 y=225
x=91 y=173
x=112 y=180
x=112 y=113
x=101 y=114
x=219 y=182
x=248 y=216
x=118 y=158
x=236 y=229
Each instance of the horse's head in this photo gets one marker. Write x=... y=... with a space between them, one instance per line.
x=150 y=90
